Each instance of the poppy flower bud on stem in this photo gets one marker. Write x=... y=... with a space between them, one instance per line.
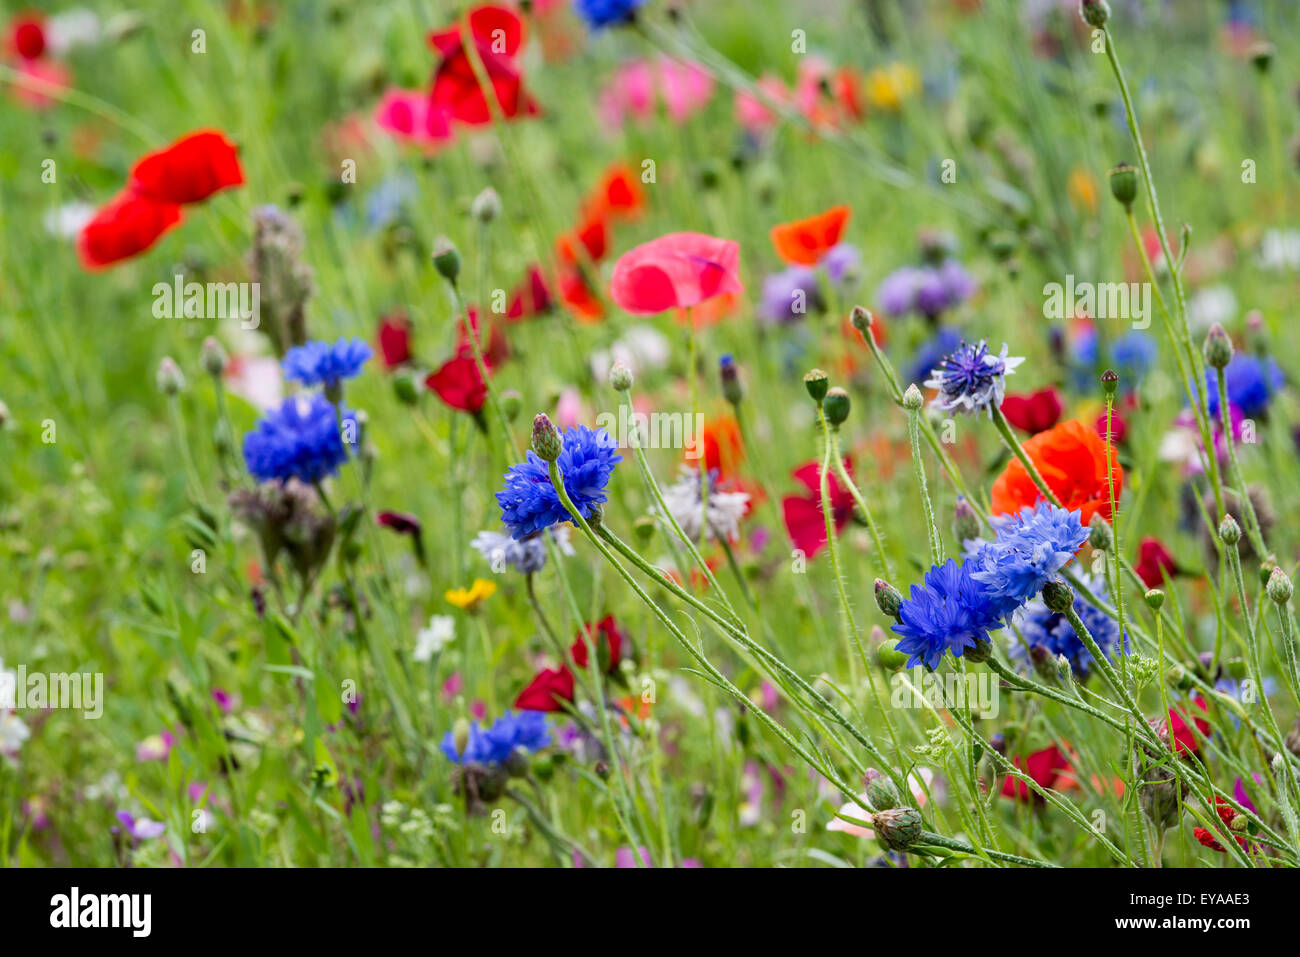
x=446 y=259
x=1279 y=588
x=486 y=206
x=888 y=598
x=547 y=442
x=1218 y=347
x=1229 y=530
x=620 y=377
x=1100 y=534
x=861 y=319
x=1109 y=381
x=1123 y=181
x=170 y=378
x=214 y=357
x=1155 y=599
x=1095 y=13
x=890 y=658
x=816 y=382
x=836 y=406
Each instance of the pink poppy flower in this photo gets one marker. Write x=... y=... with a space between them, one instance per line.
x=675 y=272
x=410 y=116
x=637 y=87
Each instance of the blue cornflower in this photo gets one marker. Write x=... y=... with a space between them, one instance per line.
x=1134 y=355
x=1251 y=383
x=949 y=612
x=972 y=379
x=1030 y=549
x=325 y=363
x=1052 y=632
x=527 y=729
x=932 y=352
x=300 y=439
x=527 y=556
x=607 y=13
x=529 y=502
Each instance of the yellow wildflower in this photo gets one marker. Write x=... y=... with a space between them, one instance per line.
x=468 y=599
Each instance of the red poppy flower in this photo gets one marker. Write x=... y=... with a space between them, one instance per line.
x=531 y=297
x=607 y=638
x=1044 y=767
x=546 y=691
x=591 y=236
x=805 y=241
x=803 y=514
x=411 y=117
x=618 y=194
x=1154 y=562
x=394 y=339
x=27 y=35
x=458 y=383
x=1071 y=458
x=675 y=271
x=1033 y=412
x=497 y=34
x=400 y=522
x=1181 y=733
x=1227 y=814
x=189 y=170
x=724 y=449
x=576 y=293
x=125 y=226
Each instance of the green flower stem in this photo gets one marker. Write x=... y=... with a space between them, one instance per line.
x=914 y=434
x=1013 y=444
x=1253 y=529
x=952 y=844
x=1108 y=672
x=715 y=676
x=549 y=831
x=837 y=462
x=1114 y=533
x=1028 y=684
x=832 y=543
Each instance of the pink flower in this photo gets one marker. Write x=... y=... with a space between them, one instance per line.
x=156 y=747
x=636 y=88
x=410 y=116
x=754 y=114
x=674 y=272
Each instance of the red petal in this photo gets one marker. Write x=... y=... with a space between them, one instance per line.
x=190 y=170
x=126 y=226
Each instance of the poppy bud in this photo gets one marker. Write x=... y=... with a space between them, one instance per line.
x=965 y=524
x=602 y=770
x=816 y=382
x=547 y=442
x=170 y=379
x=1261 y=55
x=1123 y=181
x=1095 y=13
x=486 y=206
x=446 y=259
x=912 y=398
x=890 y=658
x=881 y=793
x=1279 y=587
x=1058 y=596
x=898 y=828
x=406 y=387
x=1100 y=534
x=888 y=598
x=1109 y=381
x=214 y=357
x=836 y=406
x=861 y=319
x=732 y=390
x=620 y=377
x=1155 y=599
x=1218 y=347
x=512 y=404
x=1229 y=530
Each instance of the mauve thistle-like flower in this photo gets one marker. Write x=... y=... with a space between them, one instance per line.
x=949 y=612
x=300 y=439
x=841 y=262
x=529 y=502
x=1030 y=549
x=526 y=556
x=326 y=363
x=791 y=294
x=527 y=729
x=972 y=379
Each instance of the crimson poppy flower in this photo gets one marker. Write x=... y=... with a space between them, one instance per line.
x=1033 y=412
x=803 y=513
x=1154 y=562
x=409 y=116
x=189 y=170
x=127 y=225
x=1227 y=814
x=618 y=194
x=1181 y=733
x=805 y=241
x=1044 y=767
x=394 y=339
x=547 y=691
x=576 y=293
x=606 y=636
x=27 y=35
x=591 y=236
x=531 y=297
x=457 y=383
x=497 y=34
x=675 y=271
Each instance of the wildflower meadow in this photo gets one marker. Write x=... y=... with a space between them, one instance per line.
x=649 y=434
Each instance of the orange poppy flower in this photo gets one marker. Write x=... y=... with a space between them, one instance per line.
x=1072 y=461
x=724 y=449
x=619 y=194
x=805 y=241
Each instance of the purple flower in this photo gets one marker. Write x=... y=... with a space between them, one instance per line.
x=140 y=830
x=972 y=379
x=949 y=612
x=841 y=262
x=790 y=294
x=326 y=363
